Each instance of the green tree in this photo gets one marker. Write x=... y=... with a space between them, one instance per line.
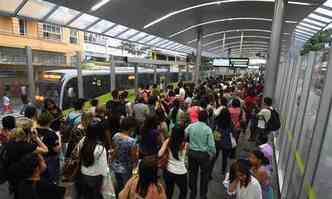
x=317 y=41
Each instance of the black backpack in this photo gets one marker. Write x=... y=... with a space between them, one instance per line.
x=274 y=123
x=3 y=164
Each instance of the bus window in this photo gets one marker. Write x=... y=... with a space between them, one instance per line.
x=70 y=87
x=48 y=89
x=96 y=85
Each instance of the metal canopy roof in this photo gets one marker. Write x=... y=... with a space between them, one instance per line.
x=173 y=24
x=178 y=20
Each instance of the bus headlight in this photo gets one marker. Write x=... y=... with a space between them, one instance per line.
x=39 y=98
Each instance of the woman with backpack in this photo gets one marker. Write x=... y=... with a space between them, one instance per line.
x=219 y=119
x=174 y=151
x=225 y=127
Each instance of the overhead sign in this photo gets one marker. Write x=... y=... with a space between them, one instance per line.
x=221 y=62
x=232 y=62
x=239 y=62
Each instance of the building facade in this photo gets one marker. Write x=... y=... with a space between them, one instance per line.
x=52 y=46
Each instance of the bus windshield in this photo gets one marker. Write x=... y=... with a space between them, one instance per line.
x=48 y=89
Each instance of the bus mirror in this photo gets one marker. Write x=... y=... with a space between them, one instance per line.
x=71 y=92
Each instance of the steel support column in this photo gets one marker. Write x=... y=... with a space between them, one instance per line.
x=241 y=43
x=155 y=74
x=113 y=71
x=31 y=80
x=79 y=76
x=272 y=65
x=136 y=77
x=224 y=44
x=196 y=72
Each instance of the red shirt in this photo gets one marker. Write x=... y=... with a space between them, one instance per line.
x=4 y=136
x=250 y=102
x=235 y=116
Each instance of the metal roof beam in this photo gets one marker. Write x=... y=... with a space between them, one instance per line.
x=108 y=29
x=131 y=36
x=92 y=24
x=312 y=24
x=326 y=7
x=73 y=19
x=322 y=15
x=172 y=43
x=116 y=36
x=162 y=43
x=154 y=37
x=50 y=13
x=320 y=21
x=303 y=33
x=19 y=7
x=147 y=35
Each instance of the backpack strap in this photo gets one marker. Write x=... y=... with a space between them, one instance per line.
x=72 y=120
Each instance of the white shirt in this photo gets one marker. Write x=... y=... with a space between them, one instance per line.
x=217 y=111
x=252 y=191
x=177 y=166
x=182 y=92
x=100 y=166
x=6 y=100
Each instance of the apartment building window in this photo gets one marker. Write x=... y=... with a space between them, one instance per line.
x=52 y=31
x=22 y=28
x=73 y=38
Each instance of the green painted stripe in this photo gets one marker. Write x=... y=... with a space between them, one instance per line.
x=299 y=162
x=290 y=136
x=310 y=191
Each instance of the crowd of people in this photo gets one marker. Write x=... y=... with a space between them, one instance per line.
x=144 y=148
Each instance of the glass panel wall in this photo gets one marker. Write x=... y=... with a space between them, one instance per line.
x=298 y=141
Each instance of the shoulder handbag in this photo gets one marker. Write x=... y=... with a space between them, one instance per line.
x=107 y=189
x=233 y=140
x=217 y=134
x=163 y=160
x=72 y=165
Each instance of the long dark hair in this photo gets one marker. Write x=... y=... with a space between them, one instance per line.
x=260 y=156
x=176 y=107
x=232 y=171
x=94 y=134
x=48 y=101
x=150 y=123
x=148 y=175
x=244 y=168
x=224 y=120
x=176 y=141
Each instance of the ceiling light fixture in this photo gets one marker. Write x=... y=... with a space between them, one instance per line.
x=216 y=21
x=229 y=31
x=211 y=4
x=99 y=5
x=299 y=3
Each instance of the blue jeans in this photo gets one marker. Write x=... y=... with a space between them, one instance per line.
x=122 y=179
